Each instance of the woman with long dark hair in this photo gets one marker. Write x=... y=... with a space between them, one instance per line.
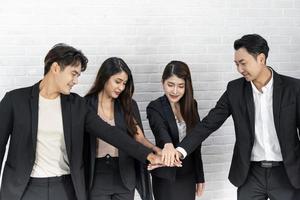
x=171 y=117
x=113 y=174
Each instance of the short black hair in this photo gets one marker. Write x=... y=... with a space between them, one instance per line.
x=253 y=43
x=64 y=55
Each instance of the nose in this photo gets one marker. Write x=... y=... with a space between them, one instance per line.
x=240 y=69
x=75 y=80
x=175 y=89
x=121 y=87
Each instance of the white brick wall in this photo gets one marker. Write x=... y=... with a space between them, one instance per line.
x=147 y=34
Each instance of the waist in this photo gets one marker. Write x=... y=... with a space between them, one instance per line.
x=108 y=159
x=267 y=164
x=54 y=179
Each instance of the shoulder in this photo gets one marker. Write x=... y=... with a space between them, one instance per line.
x=76 y=99
x=19 y=94
x=290 y=81
x=239 y=82
x=157 y=103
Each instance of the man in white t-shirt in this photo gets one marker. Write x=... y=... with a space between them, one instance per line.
x=46 y=125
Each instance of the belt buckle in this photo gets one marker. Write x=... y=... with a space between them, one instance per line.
x=266 y=164
x=107 y=159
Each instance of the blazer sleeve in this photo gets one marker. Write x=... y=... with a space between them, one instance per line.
x=115 y=136
x=198 y=157
x=215 y=118
x=6 y=123
x=137 y=115
x=157 y=124
x=298 y=113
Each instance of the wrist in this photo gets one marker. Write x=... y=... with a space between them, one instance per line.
x=168 y=145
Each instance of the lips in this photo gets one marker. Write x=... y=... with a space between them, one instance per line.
x=174 y=97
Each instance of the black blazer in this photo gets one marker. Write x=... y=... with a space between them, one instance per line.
x=133 y=173
x=19 y=121
x=237 y=101
x=163 y=125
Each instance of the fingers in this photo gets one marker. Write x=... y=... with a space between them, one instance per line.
x=154 y=166
x=177 y=156
x=200 y=189
x=169 y=154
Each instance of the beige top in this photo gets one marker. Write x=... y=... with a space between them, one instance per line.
x=51 y=156
x=103 y=148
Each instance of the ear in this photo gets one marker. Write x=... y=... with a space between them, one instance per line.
x=261 y=58
x=55 y=68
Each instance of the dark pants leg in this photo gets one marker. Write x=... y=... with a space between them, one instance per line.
x=181 y=188
x=263 y=183
x=53 y=188
x=107 y=183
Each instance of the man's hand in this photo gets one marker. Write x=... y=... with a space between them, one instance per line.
x=156 y=162
x=169 y=155
x=200 y=189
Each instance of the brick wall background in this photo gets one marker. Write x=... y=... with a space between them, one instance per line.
x=147 y=34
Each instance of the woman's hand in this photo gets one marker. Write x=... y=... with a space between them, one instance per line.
x=200 y=189
x=157 y=150
x=169 y=155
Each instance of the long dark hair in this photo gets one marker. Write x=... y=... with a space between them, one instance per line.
x=188 y=107
x=108 y=68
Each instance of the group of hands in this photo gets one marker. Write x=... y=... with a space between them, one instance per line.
x=169 y=157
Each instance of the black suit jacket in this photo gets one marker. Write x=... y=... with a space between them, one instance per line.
x=238 y=101
x=19 y=121
x=133 y=173
x=163 y=125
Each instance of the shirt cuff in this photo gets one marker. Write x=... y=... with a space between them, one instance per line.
x=182 y=151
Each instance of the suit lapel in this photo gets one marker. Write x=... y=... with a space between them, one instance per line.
x=170 y=118
x=250 y=107
x=67 y=123
x=119 y=115
x=277 y=94
x=34 y=103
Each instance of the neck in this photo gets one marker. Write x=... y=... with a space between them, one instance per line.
x=175 y=107
x=263 y=79
x=48 y=89
x=105 y=99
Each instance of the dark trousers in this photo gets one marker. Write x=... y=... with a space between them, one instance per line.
x=107 y=184
x=267 y=182
x=183 y=188
x=52 y=188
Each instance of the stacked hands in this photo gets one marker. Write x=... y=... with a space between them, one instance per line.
x=168 y=157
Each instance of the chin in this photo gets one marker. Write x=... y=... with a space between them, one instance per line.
x=66 y=92
x=173 y=100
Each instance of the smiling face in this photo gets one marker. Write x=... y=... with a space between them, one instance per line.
x=174 y=88
x=247 y=65
x=65 y=79
x=115 y=85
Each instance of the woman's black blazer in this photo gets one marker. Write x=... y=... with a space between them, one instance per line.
x=163 y=125
x=133 y=173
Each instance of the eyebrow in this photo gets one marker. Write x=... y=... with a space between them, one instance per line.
x=175 y=83
x=239 y=61
x=76 y=72
x=122 y=79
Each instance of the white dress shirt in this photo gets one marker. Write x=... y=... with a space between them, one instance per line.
x=266 y=144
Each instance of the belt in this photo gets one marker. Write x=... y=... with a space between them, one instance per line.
x=108 y=159
x=50 y=179
x=268 y=164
